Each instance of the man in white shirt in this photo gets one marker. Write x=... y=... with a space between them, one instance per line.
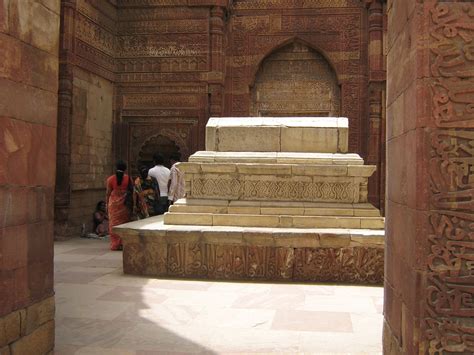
x=162 y=175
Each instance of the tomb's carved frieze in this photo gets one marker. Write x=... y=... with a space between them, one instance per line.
x=302 y=4
x=163 y=26
x=259 y=188
x=163 y=65
x=355 y=265
x=159 y=100
x=96 y=36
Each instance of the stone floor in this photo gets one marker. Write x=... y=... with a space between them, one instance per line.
x=102 y=311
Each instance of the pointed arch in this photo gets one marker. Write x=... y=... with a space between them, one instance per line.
x=284 y=43
x=294 y=79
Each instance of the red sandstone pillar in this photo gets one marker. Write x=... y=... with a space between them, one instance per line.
x=377 y=82
x=63 y=152
x=429 y=280
x=216 y=81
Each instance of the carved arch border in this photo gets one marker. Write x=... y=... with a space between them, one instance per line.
x=170 y=134
x=145 y=133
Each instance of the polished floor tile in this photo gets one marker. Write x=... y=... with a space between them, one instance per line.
x=331 y=322
x=102 y=311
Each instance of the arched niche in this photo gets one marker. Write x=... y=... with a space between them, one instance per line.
x=156 y=144
x=295 y=80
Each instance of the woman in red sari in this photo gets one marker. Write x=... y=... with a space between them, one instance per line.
x=119 y=213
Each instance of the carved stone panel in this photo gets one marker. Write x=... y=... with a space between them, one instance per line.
x=358 y=265
x=177 y=134
x=263 y=188
x=449 y=299
x=295 y=81
x=355 y=265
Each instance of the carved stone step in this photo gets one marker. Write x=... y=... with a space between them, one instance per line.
x=272 y=221
x=277 y=210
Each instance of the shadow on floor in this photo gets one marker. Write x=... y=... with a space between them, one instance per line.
x=100 y=310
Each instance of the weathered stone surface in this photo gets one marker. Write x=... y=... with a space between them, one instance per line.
x=429 y=213
x=40 y=341
x=34 y=23
x=278 y=134
x=10 y=328
x=16 y=94
x=25 y=64
x=246 y=253
x=310 y=74
x=29 y=37
x=39 y=313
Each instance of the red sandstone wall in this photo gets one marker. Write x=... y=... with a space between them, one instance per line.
x=29 y=34
x=173 y=64
x=337 y=30
x=180 y=62
x=163 y=64
x=429 y=282
x=86 y=111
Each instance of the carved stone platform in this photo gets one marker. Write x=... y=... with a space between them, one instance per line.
x=153 y=248
x=271 y=209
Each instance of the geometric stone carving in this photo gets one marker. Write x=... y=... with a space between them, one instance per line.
x=273 y=190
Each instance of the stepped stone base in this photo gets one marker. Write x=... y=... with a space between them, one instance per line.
x=152 y=248
x=274 y=214
x=270 y=199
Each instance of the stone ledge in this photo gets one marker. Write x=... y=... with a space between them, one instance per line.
x=280 y=204
x=228 y=158
x=153 y=230
x=334 y=168
x=246 y=219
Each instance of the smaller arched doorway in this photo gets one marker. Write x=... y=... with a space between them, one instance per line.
x=156 y=144
x=295 y=80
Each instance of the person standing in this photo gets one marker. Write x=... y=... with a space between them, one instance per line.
x=176 y=188
x=118 y=187
x=162 y=175
x=146 y=195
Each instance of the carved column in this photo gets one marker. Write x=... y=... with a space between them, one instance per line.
x=65 y=96
x=216 y=79
x=377 y=80
x=429 y=283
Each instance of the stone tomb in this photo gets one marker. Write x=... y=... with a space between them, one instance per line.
x=272 y=199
